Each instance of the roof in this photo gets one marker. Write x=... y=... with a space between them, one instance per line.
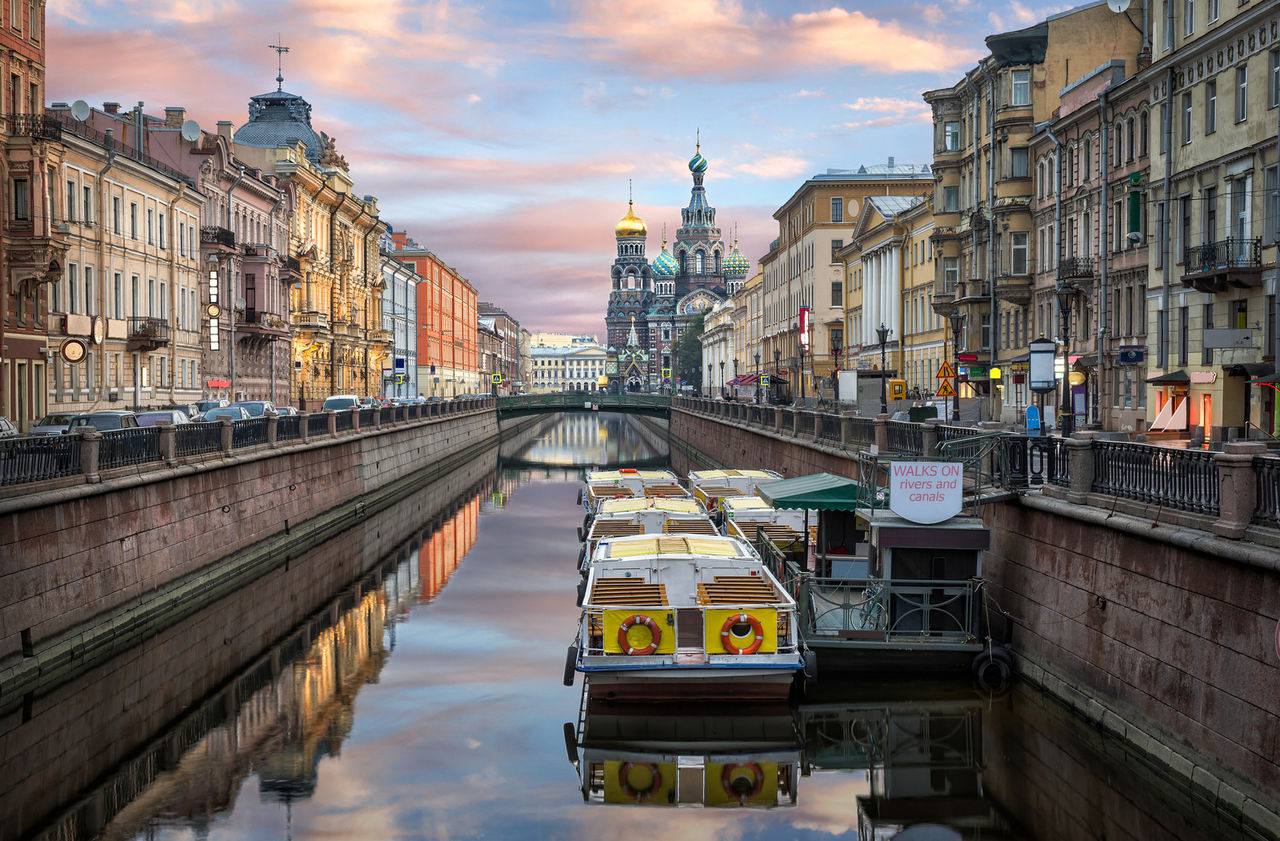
x=745 y=503
x=893 y=205
x=700 y=475
x=615 y=475
x=821 y=491
x=657 y=546
x=875 y=172
x=630 y=505
x=280 y=118
x=1178 y=377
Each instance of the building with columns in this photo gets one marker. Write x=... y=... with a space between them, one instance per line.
x=400 y=318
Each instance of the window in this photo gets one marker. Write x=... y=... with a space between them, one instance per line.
x=836 y=245
x=951 y=136
x=1144 y=132
x=1128 y=133
x=1019 y=245
x=115 y=214
x=950 y=199
x=1273 y=84
x=182 y=239
x=1019 y=163
x=1238 y=314
x=1020 y=94
x=1242 y=93
x=1214 y=8
x=837 y=210
x=1210 y=202
x=1164 y=118
x=837 y=293
x=133 y=219
x=1088 y=158
x=151 y=296
x=1206 y=352
x=1184 y=335
x=950 y=273
x=151 y=219
x=70 y=209
x=162 y=244
x=1186 y=117
x=15 y=14
x=90 y=304
x=117 y=296
x=1188 y=16
x=1168 y=30
x=1210 y=107
x=1271 y=184
x=21 y=199
x=86 y=206
x=1184 y=230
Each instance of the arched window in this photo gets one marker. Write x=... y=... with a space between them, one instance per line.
x=698 y=265
x=684 y=263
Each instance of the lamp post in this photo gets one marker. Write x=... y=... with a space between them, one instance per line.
x=835 y=375
x=882 y=333
x=757 y=377
x=722 y=382
x=708 y=380
x=956 y=320
x=1065 y=293
x=777 y=361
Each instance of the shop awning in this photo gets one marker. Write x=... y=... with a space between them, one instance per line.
x=1088 y=360
x=821 y=491
x=1249 y=369
x=1269 y=379
x=1178 y=377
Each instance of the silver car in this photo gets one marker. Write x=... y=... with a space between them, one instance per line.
x=170 y=416
x=56 y=424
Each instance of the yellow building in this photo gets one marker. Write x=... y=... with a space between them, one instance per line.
x=923 y=330
x=339 y=343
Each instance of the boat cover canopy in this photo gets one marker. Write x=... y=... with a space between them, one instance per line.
x=821 y=491
x=670 y=505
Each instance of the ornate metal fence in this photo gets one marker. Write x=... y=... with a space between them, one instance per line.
x=906 y=437
x=366 y=418
x=198 y=438
x=288 y=427
x=33 y=459
x=248 y=433
x=1186 y=480
x=863 y=430
x=1266 y=470
x=123 y=447
x=317 y=424
x=344 y=419
x=828 y=426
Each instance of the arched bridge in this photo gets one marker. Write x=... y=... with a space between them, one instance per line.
x=531 y=404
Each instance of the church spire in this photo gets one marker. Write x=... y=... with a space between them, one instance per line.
x=632 y=339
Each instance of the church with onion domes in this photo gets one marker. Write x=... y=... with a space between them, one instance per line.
x=652 y=303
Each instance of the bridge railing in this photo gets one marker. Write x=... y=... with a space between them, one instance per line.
x=34 y=463
x=579 y=401
x=1230 y=492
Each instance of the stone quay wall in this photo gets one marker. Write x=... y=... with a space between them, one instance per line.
x=78 y=565
x=1166 y=635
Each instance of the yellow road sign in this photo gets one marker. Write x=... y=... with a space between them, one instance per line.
x=666 y=373
x=945 y=389
x=496 y=379
x=946 y=372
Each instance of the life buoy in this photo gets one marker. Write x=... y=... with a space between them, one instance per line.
x=728 y=780
x=641 y=795
x=726 y=634
x=655 y=635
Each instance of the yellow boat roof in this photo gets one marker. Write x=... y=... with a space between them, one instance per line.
x=746 y=503
x=645 y=546
x=642 y=475
x=671 y=505
x=702 y=475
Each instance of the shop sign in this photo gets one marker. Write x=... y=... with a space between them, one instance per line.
x=1132 y=355
x=1227 y=338
x=926 y=491
x=1203 y=377
x=217 y=382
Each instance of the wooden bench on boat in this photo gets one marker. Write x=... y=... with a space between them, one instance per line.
x=611 y=492
x=737 y=589
x=664 y=491
x=698 y=526
x=623 y=592
x=601 y=529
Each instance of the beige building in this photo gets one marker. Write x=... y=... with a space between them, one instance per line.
x=577 y=366
x=801 y=270
x=1216 y=201
x=126 y=320
x=983 y=239
x=718 y=348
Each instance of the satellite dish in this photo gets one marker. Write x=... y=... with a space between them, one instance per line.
x=80 y=110
x=1118 y=6
x=191 y=129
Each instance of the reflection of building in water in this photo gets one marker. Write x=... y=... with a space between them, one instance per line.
x=446 y=547
x=590 y=438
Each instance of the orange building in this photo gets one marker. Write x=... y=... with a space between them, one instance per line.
x=448 y=358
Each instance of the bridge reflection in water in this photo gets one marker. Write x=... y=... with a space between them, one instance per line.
x=424 y=700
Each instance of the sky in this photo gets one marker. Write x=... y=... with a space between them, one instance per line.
x=503 y=135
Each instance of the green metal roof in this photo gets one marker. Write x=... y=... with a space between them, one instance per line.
x=821 y=491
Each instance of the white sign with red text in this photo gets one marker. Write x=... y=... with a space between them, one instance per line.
x=926 y=491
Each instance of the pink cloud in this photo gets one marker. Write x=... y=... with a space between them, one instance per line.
x=887 y=111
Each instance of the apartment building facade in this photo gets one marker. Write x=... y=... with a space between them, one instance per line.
x=400 y=319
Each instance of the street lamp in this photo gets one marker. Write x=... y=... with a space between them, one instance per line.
x=835 y=375
x=708 y=379
x=777 y=362
x=1065 y=293
x=882 y=333
x=957 y=320
x=722 y=384
x=757 y=376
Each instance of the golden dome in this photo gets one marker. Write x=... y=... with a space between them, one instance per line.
x=630 y=225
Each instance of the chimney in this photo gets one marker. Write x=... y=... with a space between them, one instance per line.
x=111 y=107
x=400 y=239
x=174 y=116
x=224 y=129
x=891 y=163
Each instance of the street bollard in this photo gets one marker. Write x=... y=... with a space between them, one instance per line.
x=882 y=433
x=332 y=417
x=273 y=428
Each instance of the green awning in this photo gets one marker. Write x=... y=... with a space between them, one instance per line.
x=1269 y=379
x=821 y=491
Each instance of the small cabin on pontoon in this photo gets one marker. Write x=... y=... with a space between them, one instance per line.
x=647 y=515
x=628 y=482
x=745 y=517
x=710 y=486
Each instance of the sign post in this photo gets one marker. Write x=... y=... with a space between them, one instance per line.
x=945 y=388
x=926 y=492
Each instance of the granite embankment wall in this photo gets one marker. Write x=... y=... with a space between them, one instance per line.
x=100 y=566
x=146 y=706
x=1168 y=637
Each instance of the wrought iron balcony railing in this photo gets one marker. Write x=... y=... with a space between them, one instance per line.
x=214 y=235
x=1073 y=267
x=1233 y=253
x=147 y=332
x=37 y=126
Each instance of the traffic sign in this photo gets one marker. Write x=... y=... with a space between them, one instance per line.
x=966 y=357
x=764 y=380
x=496 y=379
x=666 y=373
x=946 y=372
x=945 y=389
x=979 y=372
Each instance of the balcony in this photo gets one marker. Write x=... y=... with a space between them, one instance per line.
x=1014 y=289
x=35 y=126
x=146 y=333
x=265 y=324
x=220 y=238
x=1076 y=267
x=310 y=320
x=260 y=250
x=380 y=337
x=1223 y=265
x=972 y=289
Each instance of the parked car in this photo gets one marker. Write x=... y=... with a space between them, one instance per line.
x=255 y=408
x=282 y=411
x=205 y=405
x=171 y=416
x=104 y=421
x=340 y=403
x=234 y=413
x=8 y=429
x=53 y=424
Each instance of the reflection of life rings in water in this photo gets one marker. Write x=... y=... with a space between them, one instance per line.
x=734 y=628
x=641 y=793
x=742 y=781
x=655 y=635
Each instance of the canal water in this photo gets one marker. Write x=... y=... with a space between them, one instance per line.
x=423 y=699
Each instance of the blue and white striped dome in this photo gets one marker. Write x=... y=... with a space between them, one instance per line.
x=698 y=163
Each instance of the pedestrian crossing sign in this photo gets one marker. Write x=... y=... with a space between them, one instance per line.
x=496 y=379
x=945 y=389
x=946 y=372
x=666 y=373
x=764 y=380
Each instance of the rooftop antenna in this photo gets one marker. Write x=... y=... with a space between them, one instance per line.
x=280 y=51
x=697 y=144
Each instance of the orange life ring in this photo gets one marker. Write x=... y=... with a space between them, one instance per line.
x=655 y=784
x=726 y=634
x=655 y=635
x=757 y=780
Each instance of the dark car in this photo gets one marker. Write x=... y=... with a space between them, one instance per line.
x=234 y=413
x=103 y=421
x=205 y=405
x=256 y=408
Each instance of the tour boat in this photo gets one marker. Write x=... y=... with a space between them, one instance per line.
x=710 y=486
x=647 y=515
x=746 y=516
x=629 y=482
x=679 y=616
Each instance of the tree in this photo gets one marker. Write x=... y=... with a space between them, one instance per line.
x=688 y=354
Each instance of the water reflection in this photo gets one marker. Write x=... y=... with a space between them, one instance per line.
x=585 y=439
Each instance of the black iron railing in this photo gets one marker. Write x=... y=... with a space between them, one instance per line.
x=863 y=430
x=68 y=125
x=38 y=458
x=366 y=418
x=38 y=126
x=198 y=438
x=1232 y=253
x=317 y=424
x=344 y=419
x=1075 y=267
x=906 y=437
x=1186 y=480
x=147 y=330
x=288 y=427
x=1266 y=470
x=829 y=427
x=1030 y=461
x=249 y=433
x=124 y=447
x=216 y=235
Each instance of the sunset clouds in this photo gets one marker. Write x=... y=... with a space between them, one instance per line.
x=503 y=134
